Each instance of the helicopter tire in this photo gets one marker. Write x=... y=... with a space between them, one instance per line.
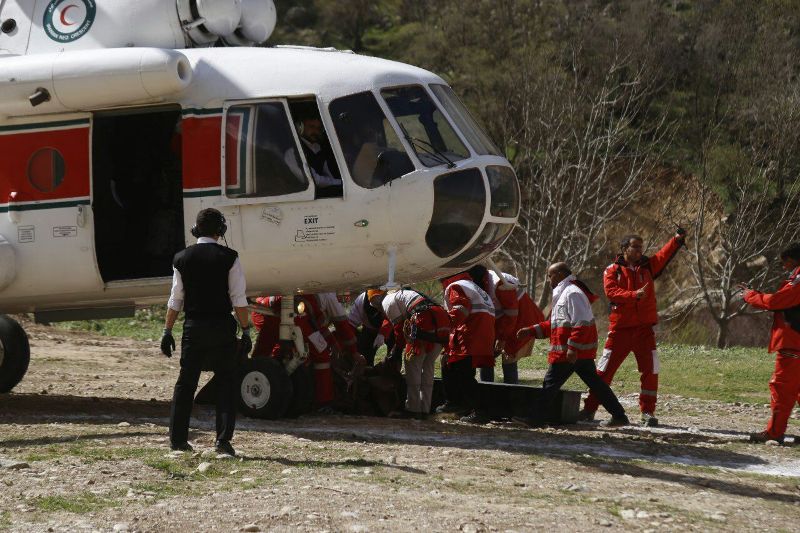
x=265 y=390
x=15 y=353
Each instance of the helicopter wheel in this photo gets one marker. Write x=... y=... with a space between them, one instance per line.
x=15 y=353
x=266 y=389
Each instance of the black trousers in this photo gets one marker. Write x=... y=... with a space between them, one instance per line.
x=510 y=374
x=207 y=344
x=460 y=386
x=557 y=375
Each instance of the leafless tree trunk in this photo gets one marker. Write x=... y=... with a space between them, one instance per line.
x=584 y=151
x=760 y=216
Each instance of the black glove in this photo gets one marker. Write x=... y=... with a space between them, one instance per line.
x=167 y=342
x=680 y=234
x=245 y=344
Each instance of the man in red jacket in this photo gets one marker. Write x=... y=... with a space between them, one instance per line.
x=573 y=346
x=628 y=284
x=785 y=339
x=471 y=345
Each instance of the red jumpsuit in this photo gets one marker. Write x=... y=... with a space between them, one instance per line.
x=785 y=383
x=506 y=305
x=631 y=322
x=472 y=321
x=321 y=311
x=529 y=314
x=471 y=345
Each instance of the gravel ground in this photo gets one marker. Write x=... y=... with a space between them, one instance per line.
x=83 y=447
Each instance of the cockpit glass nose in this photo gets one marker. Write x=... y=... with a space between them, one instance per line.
x=505 y=194
x=490 y=239
x=469 y=127
x=424 y=126
x=372 y=150
x=459 y=203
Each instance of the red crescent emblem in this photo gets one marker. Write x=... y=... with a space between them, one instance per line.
x=64 y=15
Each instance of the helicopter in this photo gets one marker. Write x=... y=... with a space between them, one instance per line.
x=121 y=119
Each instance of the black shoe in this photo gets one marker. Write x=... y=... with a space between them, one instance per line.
x=224 y=447
x=181 y=447
x=585 y=415
x=475 y=418
x=420 y=416
x=615 y=422
x=649 y=421
x=763 y=437
x=401 y=415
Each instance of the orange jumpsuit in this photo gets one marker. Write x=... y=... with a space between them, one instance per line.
x=784 y=385
x=631 y=322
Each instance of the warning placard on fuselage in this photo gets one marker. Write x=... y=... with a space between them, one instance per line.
x=314 y=231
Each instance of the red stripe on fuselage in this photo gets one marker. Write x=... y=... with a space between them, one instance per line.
x=17 y=149
x=201 y=152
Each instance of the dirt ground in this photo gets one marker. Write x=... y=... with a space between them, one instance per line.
x=88 y=431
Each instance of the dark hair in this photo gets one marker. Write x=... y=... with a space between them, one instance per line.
x=791 y=252
x=626 y=240
x=209 y=223
x=478 y=274
x=562 y=268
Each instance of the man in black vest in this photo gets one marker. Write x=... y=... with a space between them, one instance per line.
x=207 y=283
x=320 y=158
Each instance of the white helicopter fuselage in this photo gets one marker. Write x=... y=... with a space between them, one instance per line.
x=71 y=239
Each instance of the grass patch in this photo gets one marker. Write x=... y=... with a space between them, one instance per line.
x=146 y=324
x=171 y=468
x=5 y=521
x=730 y=375
x=164 y=489
x=91 y=454
x=82 y=503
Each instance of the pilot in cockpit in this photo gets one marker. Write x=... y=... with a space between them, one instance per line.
x=319 y=155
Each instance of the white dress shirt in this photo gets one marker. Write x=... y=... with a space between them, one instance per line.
x=237 y=286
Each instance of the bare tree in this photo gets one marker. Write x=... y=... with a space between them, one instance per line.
x=586 y=145
x=760 y=214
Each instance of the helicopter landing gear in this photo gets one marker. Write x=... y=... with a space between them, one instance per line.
x=15 y=353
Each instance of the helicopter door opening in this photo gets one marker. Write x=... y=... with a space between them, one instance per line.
x=137 y=192
x=316 y=147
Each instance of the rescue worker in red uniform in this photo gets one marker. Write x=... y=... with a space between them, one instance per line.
x=321 y=311
x=784 y=385
x=528 y=315
x=573 y=346
x=471 y=345
x=513 y=309
x=628 y=284
x=504 y=298
x=366 y=313
x=421 y=328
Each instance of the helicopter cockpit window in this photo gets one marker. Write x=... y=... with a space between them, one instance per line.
x=258 y=143
x=424 y=126
x=372 y=150
x=474 y=134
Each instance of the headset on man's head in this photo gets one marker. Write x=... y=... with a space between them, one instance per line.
x=207 y=228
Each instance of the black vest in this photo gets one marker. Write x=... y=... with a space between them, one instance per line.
x=317 y=161
x=204 y=271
